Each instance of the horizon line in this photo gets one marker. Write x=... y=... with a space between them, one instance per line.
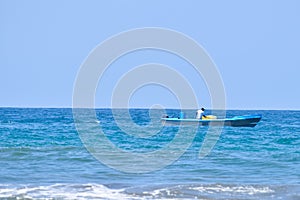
x=173 y=108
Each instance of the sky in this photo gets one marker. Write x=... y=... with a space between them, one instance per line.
x=255 y=45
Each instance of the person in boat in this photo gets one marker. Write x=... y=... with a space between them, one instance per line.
x=200 y=113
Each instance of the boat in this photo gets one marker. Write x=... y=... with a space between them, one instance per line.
x=210 y=120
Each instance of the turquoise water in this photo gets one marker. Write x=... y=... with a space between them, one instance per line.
x=43 y=157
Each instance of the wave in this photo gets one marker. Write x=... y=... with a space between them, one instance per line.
x=62 y=191
x=99 y=191
x=213 y=191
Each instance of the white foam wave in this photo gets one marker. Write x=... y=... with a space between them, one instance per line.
x=250 y=190
x=207 y=191
x=98 y=191
x=63 y=191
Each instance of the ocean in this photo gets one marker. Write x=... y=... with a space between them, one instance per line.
x=43 y=156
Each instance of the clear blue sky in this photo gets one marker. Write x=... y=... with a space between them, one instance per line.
x=255 y=44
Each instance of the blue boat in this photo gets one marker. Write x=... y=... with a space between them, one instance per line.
x=237 y=121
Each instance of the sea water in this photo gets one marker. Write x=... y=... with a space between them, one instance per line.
x=42 y=156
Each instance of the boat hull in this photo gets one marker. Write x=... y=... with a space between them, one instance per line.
x=238 y=121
